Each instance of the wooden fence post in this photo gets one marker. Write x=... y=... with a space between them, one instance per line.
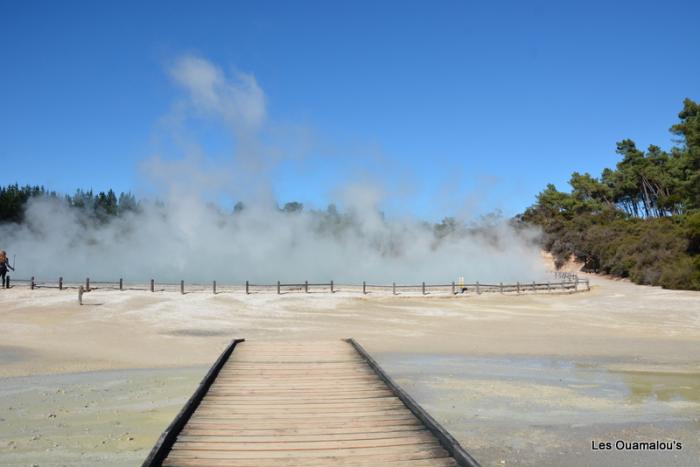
x=576 y=285
x=87 y=284
x=453 y=287
x=393 y=288
x=518 y=286
x=213 y=287
x=423 y=288
x=60 y=283
x=332 y=290
x=501 y=287
x=121 y=283
x=247 y=287
x=364 y=287
x=32 y=283
x=588 y=285
x=306 y=286
x=478 y=289
x=153 y=285
x=549 y=286
x=80 y=295
x=533 y=286
x=278 y=287
x=182 y=287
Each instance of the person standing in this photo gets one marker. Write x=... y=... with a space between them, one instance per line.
x=4 y=265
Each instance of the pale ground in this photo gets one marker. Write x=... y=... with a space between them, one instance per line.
x=518 y=379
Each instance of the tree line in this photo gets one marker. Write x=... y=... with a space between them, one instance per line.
x=100 y=206
x=639 y=220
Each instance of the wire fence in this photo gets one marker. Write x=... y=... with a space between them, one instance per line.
x=565 y=282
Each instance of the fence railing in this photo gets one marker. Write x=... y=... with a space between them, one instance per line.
x=566 y=275
x=569 y=282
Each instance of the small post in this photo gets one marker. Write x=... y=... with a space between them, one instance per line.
x=478 y=289
x=549 y=286
x=182 y=287
x=278 y=287
x=60 y=283
x=518 y=286
x=588 y=285
x=153 y=285
x=213 y=287
x=306 y=286
x=80 y=294
x=32 y=283
x=332 y=291
x=393 y=288
x=247 y=287
x=423 y=288
x=87 y=284
x=453 y=287
x=121 y=284
x=364 y=287
x=533 y=286
x=501 y=287
x=576 y=284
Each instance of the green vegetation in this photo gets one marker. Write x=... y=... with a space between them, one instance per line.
x=640 y=220
x=99 y=207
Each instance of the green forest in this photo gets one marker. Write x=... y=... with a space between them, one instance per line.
x=98 y=206
x=640 y=220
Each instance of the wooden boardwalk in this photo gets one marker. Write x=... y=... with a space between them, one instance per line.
x=303 y=403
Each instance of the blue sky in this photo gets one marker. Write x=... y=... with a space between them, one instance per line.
x=450 y=106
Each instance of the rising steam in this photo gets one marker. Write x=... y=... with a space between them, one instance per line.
x=184 y=235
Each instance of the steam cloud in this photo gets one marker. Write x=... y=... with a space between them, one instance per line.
x=185 y=236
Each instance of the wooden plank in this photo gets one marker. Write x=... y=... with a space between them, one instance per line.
x=282 y=418
x=423 y=450
x=357 y=462
x=225 y=436
x=368 y=384
x=276 y=394
x=230 y=407
x=307 y=395
x=231 y=373
x=286 y=398
x=294 y=405
x=280 y=400
x=300 y=390
x=278 y=368
x=291 y=404
x=345 y=412
x=339 y=426
x=306 y=376
x=315 y=431
x=228 y=443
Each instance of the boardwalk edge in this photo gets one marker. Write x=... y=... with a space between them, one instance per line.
x=447 y=441
x=169 y=436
